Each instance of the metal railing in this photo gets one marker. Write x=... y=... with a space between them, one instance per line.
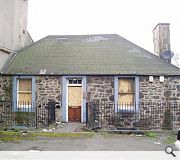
x=26 y=114
x=144 y=115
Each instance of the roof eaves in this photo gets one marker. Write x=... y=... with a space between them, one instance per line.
x=90 y=74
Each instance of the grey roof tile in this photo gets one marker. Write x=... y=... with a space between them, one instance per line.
x=88 y=54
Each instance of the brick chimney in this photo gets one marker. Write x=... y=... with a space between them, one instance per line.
x=161 y=39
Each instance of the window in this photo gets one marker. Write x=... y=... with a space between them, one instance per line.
x=23 y=93
x=75 y=81
x=24 y=96
x=126 y=91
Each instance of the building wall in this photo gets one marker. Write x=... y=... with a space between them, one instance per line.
x=13 y=32
x=3 y=58
x=48 y=88
x=160 y=91
x=5 y=88
x=13 y=22
x=100 y=88
x=157 y=99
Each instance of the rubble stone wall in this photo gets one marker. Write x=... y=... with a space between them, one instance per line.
x=48 y=89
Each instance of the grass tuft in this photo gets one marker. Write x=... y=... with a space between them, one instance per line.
x=151 y=134
x=13 y=136
x=170 y=140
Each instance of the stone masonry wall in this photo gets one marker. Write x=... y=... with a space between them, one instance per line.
x=156 y=97
x=156 y=91
x=100 y=88
x=5 y=88
x=5 y=96
x=48 y=88
x=152 y=113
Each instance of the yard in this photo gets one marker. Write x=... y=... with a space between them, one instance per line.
x=85 y=141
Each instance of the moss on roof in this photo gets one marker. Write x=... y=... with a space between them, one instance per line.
x=88 y=55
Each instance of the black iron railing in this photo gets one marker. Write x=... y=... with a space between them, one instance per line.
x=26 y=114
x=144 y=115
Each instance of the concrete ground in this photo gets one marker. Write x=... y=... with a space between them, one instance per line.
x=98 y=142
x=69 y=127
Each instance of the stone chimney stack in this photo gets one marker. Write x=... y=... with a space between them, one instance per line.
x=161 y=39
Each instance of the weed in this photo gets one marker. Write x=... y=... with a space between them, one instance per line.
x=170 y=140
x=8 y=136
x=151 y=134
x=12 y=136
x=65 y=135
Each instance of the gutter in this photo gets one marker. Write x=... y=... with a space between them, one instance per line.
x=30 y=74
x=4 y=49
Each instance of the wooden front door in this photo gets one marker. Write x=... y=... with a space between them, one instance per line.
x=74 y=103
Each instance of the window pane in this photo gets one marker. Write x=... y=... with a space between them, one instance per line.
x=126 y=92
x=25 y=85
x=126 y=99
x=25 y=98
x=126 y=85
x=74 y=81
x=79 y=81
x=70 y=81
x=25 y=92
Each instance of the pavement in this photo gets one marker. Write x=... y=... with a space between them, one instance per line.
x=99 y=141
x=69 y=127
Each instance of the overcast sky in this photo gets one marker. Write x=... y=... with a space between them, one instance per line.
x=132 y=19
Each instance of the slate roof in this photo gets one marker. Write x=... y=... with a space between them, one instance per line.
x=103 y=54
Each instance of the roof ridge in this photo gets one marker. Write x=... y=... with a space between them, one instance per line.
x=81 y=35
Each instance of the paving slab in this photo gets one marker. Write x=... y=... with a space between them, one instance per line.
x=69 y=127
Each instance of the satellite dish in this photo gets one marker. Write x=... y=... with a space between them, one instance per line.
x=167 y=54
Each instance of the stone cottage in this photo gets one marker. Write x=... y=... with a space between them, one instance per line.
x=75 y=69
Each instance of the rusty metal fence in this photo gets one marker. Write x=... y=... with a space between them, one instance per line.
x=28 y=115
x=144 y=116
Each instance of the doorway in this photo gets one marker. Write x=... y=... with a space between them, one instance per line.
x=74 y=100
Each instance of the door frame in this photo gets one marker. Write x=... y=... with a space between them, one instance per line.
x=65 y=85
x=67 y=99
